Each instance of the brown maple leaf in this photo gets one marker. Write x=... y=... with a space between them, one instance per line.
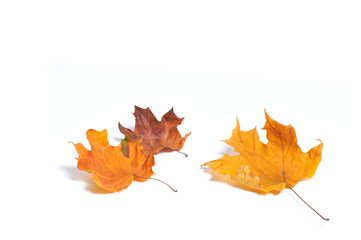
x=156 y=136
x=114 y=167
x=268 y=167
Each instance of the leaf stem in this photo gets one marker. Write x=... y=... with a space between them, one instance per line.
x=326 y=219
x=186 y=155
x=174 y=190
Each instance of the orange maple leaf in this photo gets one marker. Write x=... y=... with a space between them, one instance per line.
x=157 y=136
x=114 y=167
x=267 y=167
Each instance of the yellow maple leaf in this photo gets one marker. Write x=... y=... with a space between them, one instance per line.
x=267 y=167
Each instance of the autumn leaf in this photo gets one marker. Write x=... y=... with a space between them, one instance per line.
x=267 y=167
x=114 y=167
x=156 y=136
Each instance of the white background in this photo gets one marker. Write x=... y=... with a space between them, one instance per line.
x=67 y=66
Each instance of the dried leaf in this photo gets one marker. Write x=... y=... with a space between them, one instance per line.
x=156 y=136
x=267 y=167
x=114 y=167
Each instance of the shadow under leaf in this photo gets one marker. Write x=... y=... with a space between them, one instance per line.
x=228 y=150
x=75 y=174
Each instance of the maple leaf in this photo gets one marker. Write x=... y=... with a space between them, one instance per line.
x=156 y=136
x=267 y=167
x=114 y=167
